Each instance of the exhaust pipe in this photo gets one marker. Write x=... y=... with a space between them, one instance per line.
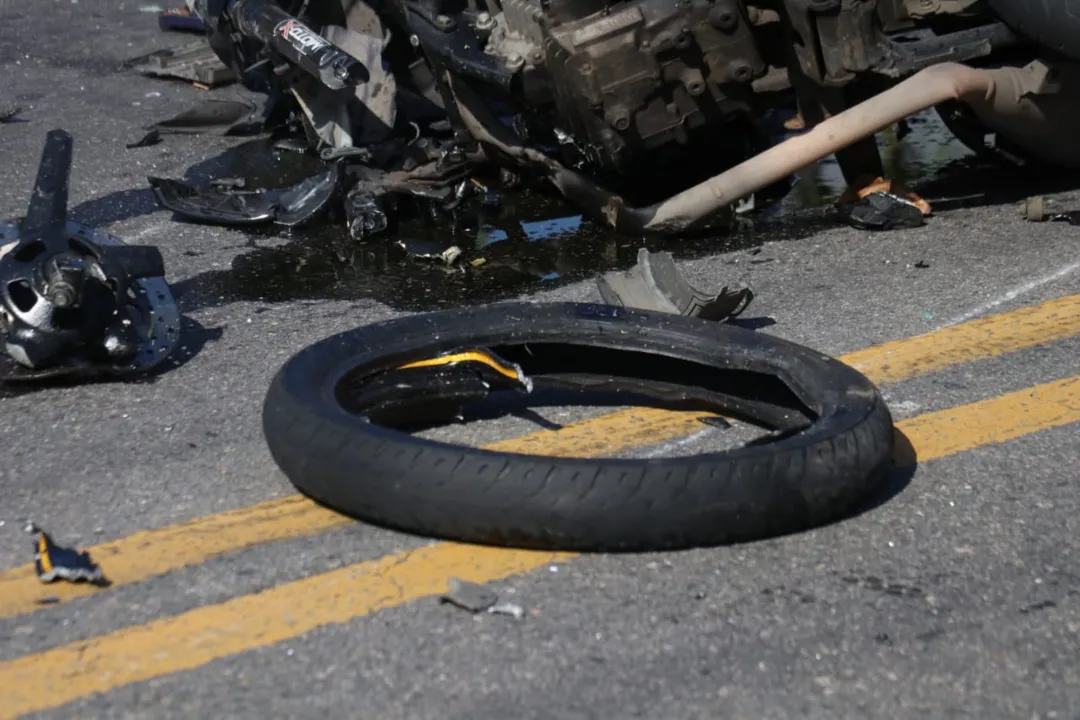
x=696 y=205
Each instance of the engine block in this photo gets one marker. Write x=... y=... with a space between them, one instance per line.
x=628 y=76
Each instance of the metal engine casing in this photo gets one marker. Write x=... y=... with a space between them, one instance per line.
x=629 y=77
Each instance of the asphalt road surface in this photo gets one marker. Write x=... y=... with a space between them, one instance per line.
x=957 y=596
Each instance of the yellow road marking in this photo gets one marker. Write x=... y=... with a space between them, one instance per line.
x=184 y=642
x=154 y=552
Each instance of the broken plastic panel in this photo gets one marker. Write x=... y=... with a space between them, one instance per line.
x=53 y=562
x=469 y=596
x=291 y=206
x=655 y=284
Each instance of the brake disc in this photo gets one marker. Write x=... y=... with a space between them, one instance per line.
x=151 y=297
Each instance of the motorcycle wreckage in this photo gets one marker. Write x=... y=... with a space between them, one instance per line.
x=619 y=103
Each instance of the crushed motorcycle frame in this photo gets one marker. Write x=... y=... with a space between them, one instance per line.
x=340 y=420
x=599 y=98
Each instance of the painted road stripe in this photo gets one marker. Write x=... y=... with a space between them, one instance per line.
x=184 y=642
x=145 y=554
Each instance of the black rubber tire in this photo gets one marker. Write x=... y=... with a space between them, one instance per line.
x=395 y=480
x=1054 y=24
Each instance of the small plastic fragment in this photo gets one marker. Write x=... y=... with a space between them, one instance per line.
x=7 y=114
x=507 y=608
x=882 y=211
x=655 y=284
x=716 y=421
x=470 y=596
x=291 y=206
x=53 y=562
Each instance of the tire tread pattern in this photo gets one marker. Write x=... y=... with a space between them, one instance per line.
x=586 y=505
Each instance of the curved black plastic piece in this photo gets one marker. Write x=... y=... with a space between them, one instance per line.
x=290 y=206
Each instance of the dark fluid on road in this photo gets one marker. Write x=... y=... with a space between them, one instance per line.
x=537 y=241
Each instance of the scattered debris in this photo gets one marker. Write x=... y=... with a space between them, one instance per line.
x=425 y=250
x=922 y=264
x=654 y=283
x=194 y=62
x=9 y=113
x=479 y=598
x=290 y=206
x=1040 y=209
x=50 y=600
x=881 y=211
x=53 y=562
x=507 y=608
x=470 y=596
x=880 y=204
x=75 y=300
x=716 y=421
x=180 y=18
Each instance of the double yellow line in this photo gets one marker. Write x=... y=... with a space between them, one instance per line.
x=189 y=640
x=143 y=555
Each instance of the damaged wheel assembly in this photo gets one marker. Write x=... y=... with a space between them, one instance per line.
x=338 y=419
x=75 y=300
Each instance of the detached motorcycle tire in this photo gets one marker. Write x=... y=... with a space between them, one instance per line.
x=1054 y=24
x=811 y=474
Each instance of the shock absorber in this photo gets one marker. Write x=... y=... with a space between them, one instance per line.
x=265 y=22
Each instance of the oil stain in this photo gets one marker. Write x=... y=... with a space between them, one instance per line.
x=537 y=242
